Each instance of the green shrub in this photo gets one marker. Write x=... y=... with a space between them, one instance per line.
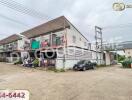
x=36 y=63
x=51 y=68
x=18 y=62
x=127 y=63
x=62 y=70
x=59 y=70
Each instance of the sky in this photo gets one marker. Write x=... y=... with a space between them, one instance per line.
x=84 y=14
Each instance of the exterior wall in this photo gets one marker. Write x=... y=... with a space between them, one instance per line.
x=80 y=40
x=17 y=45
x=74 y=54
x=13 y=45
x=99 y=56
x=68 y=64
x=12 y=59
x=20 y=44
x=71 y=57
x=1 y=48
x=128 y=52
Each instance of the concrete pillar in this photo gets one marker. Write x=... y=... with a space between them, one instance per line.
x=107 y=58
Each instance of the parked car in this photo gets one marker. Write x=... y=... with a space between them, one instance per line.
x=84 y=65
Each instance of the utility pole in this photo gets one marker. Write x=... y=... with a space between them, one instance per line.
x=64 y=45
x=99 y=42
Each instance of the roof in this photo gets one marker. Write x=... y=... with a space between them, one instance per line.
x=51 y=26
x=10 y=39
x=127 y=46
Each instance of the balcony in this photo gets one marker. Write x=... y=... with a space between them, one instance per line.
x=10 y=47
x=55 y=42
x=48 y=41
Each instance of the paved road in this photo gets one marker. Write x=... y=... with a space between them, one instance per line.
x=110 y=83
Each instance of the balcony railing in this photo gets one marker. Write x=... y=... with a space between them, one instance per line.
x=9 y=48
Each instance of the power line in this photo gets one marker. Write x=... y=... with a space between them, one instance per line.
x=10 y=19
x=21 y=8
x=15 y=6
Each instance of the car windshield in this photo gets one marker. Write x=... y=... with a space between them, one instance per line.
x=81 y=62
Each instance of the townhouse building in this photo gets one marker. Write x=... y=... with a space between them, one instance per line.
x=8 y=46
x=59 y=41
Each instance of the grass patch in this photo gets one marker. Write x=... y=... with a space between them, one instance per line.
x=102 y=66
x=56 y=70
x=59 y=70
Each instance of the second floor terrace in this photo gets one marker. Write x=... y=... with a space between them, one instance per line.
x=50 y=40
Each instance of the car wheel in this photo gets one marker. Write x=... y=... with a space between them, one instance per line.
x=84 y=68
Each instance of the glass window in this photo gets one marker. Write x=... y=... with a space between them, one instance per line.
x=74 y=39
x=58 y=41
x=89 y=46
x=85 y=44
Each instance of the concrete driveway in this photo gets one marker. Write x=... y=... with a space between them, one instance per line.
x=110 y=83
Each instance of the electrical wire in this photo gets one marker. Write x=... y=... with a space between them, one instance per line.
x=10 y=19
x=21 y=8
x=18 y=8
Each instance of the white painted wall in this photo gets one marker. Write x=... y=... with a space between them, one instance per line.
x=72 y=56
x=68 y=64
x=20 y=44
x=10 y=44
x=80 y=40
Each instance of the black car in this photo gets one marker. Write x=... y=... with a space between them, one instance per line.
x=84 y=65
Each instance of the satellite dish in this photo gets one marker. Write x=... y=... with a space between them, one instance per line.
x=119 y=6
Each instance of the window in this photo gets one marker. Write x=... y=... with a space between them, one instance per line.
x=74 y=39
x=57 y=40
x=89 y=46
x=80 y=39
x=85 y=44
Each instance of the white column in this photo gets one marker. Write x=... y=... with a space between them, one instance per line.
x=107 y=58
